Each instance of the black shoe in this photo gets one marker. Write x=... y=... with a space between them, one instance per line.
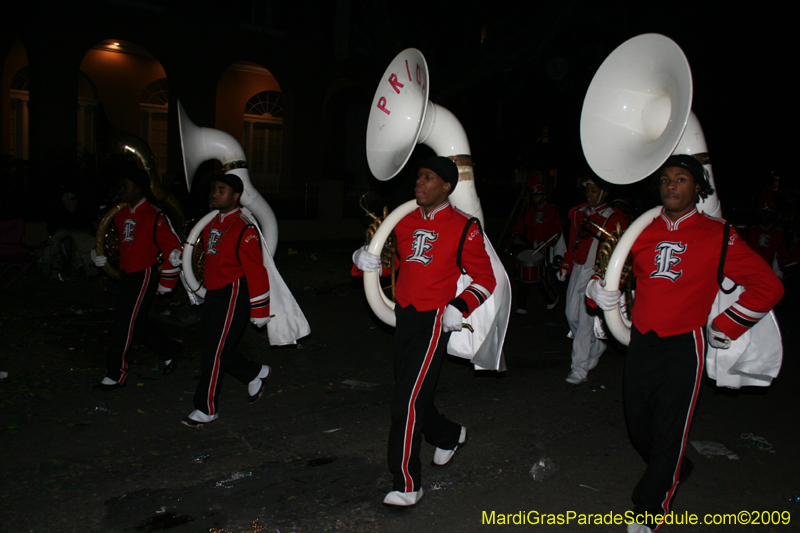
x=173 y=363
x=171 y=367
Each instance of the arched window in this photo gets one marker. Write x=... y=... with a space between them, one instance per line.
x=153 y=107
x=263 y=138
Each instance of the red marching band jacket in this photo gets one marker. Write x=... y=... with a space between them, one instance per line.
x=539 y=223
x=582 y=235
x=144 y=230
x=233 y=250
x=427 y=251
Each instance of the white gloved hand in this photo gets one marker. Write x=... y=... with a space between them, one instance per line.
x=98 y=260
x=452 y=319
x=718 y=340
x=176 y=257
x=162 y=289
x=366 y=261
x=259 y=322
x=563 y=271
x=605 y=300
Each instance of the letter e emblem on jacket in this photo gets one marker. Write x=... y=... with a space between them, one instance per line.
x=665 y=260
x=213 y=239
x=422 y=244
x=127 y=230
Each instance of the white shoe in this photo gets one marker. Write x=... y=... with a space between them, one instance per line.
x=198 y=419
x=633 y=527
x=402 y=499
x=575 y=378
x=443 y=458
x=256 y=387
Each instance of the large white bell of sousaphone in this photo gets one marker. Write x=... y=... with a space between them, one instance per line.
x=636 y=109
x=636 y=113
x=199 y=145
x=401 y=117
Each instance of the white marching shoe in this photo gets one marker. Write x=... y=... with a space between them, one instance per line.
x=256 y=387
x=575 y=378
x=402 y=499
x=198 y=419
x=443 y=458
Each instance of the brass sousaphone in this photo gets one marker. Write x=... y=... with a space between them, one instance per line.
x=115 y=146
x=637 y=112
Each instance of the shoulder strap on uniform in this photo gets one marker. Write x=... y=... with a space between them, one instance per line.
x=239 y=242
x=721 y=269
x=464 y=238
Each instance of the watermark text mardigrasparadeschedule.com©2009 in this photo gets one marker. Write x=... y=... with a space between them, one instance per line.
x=536 y=518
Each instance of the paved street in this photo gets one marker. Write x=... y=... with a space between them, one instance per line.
x=310 y=456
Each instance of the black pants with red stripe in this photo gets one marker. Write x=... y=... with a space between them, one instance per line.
x=131 y=324
x=226 y=312
x=419 y=349
x=663 y=376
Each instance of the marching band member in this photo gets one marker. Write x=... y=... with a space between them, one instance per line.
x=675 y=261
x=427 y=311
x=538 y=224
x=238 y=292
x=579 y=260
x=767 y=239
x=144 y=232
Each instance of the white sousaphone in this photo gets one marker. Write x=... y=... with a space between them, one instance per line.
x=401 y=117
x=637 y=112
x=200 y=144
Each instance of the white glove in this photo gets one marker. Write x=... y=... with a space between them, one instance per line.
x=176 y=257
x=98 y=260
x=366 y=261
x=605 y=300
x=562 y=273
x=452 y=319
x=718 y=340
x=162 y=289
x=259 y=322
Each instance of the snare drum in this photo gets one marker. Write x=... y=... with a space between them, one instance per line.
x=531 y=266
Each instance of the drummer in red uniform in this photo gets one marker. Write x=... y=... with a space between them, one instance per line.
x=539 y=224
x=766 y=239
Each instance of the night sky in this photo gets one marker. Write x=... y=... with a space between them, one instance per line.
x=537 y=60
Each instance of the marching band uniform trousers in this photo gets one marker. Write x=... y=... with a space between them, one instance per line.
x=226 y=312
x=136 y=293
x=586 y=347
x=419 y=349
x=662 y=382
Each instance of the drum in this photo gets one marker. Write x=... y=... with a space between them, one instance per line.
x=531 y=266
